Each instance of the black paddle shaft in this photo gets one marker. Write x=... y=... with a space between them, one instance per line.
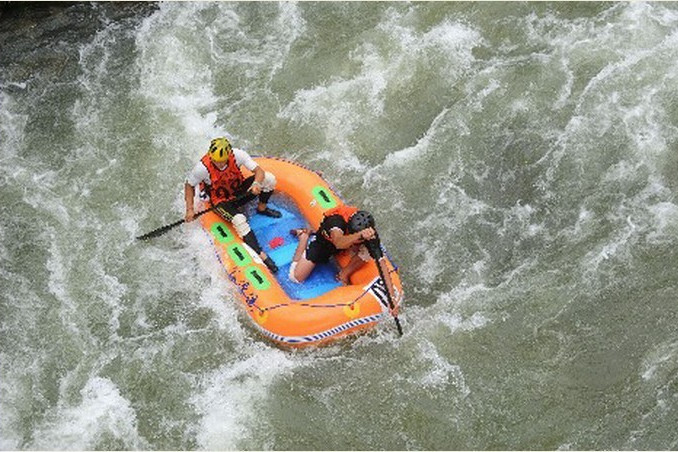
x=162 y=230
x=374 y=247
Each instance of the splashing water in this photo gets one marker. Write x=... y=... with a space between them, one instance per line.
x=519 y=159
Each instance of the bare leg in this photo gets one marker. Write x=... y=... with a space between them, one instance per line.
x=301 y=247
x=354 y=264
x=301 y=267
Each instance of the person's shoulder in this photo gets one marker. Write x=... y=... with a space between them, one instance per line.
x=198 y=173
x=242 y=157
x=199 y=166
x=240 y=153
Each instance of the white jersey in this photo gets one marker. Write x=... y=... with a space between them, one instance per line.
x=199 y=172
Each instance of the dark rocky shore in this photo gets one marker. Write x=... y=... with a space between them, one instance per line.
x=33 y=35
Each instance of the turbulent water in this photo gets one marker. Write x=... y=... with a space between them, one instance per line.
x=520 y=159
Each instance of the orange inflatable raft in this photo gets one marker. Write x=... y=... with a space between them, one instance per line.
x=320 y=309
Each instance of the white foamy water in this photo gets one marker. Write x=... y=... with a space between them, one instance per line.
x=519 y=161
x=102 y=413
x=232 y=395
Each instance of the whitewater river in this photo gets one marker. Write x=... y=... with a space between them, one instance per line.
x=521 y=161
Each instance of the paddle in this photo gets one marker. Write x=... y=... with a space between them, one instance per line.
x=374 y=247
x=162 y=230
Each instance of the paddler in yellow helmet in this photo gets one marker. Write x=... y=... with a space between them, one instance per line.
x=221 y=182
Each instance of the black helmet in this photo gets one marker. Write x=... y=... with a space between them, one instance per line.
x=359 y=221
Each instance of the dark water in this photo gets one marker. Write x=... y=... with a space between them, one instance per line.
x=520 y=160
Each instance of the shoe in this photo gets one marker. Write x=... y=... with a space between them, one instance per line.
x=271 y=265
x=270 y=212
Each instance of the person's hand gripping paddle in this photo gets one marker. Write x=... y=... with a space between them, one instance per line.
x=164 y=229
x=361 y=220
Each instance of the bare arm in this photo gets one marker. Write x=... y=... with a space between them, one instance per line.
x=343 y=241
x=189 y=194
x=258 y=179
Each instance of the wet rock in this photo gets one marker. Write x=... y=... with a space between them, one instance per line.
x=43 y=36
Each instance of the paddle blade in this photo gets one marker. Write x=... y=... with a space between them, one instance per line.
x=374 y=248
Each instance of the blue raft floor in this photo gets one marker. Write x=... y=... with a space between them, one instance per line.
x=265 y=228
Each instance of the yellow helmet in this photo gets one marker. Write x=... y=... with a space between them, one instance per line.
x=220 y=149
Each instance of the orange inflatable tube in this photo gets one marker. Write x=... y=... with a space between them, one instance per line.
x=328 y=313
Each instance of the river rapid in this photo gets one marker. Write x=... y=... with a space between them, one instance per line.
x=520 y=160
